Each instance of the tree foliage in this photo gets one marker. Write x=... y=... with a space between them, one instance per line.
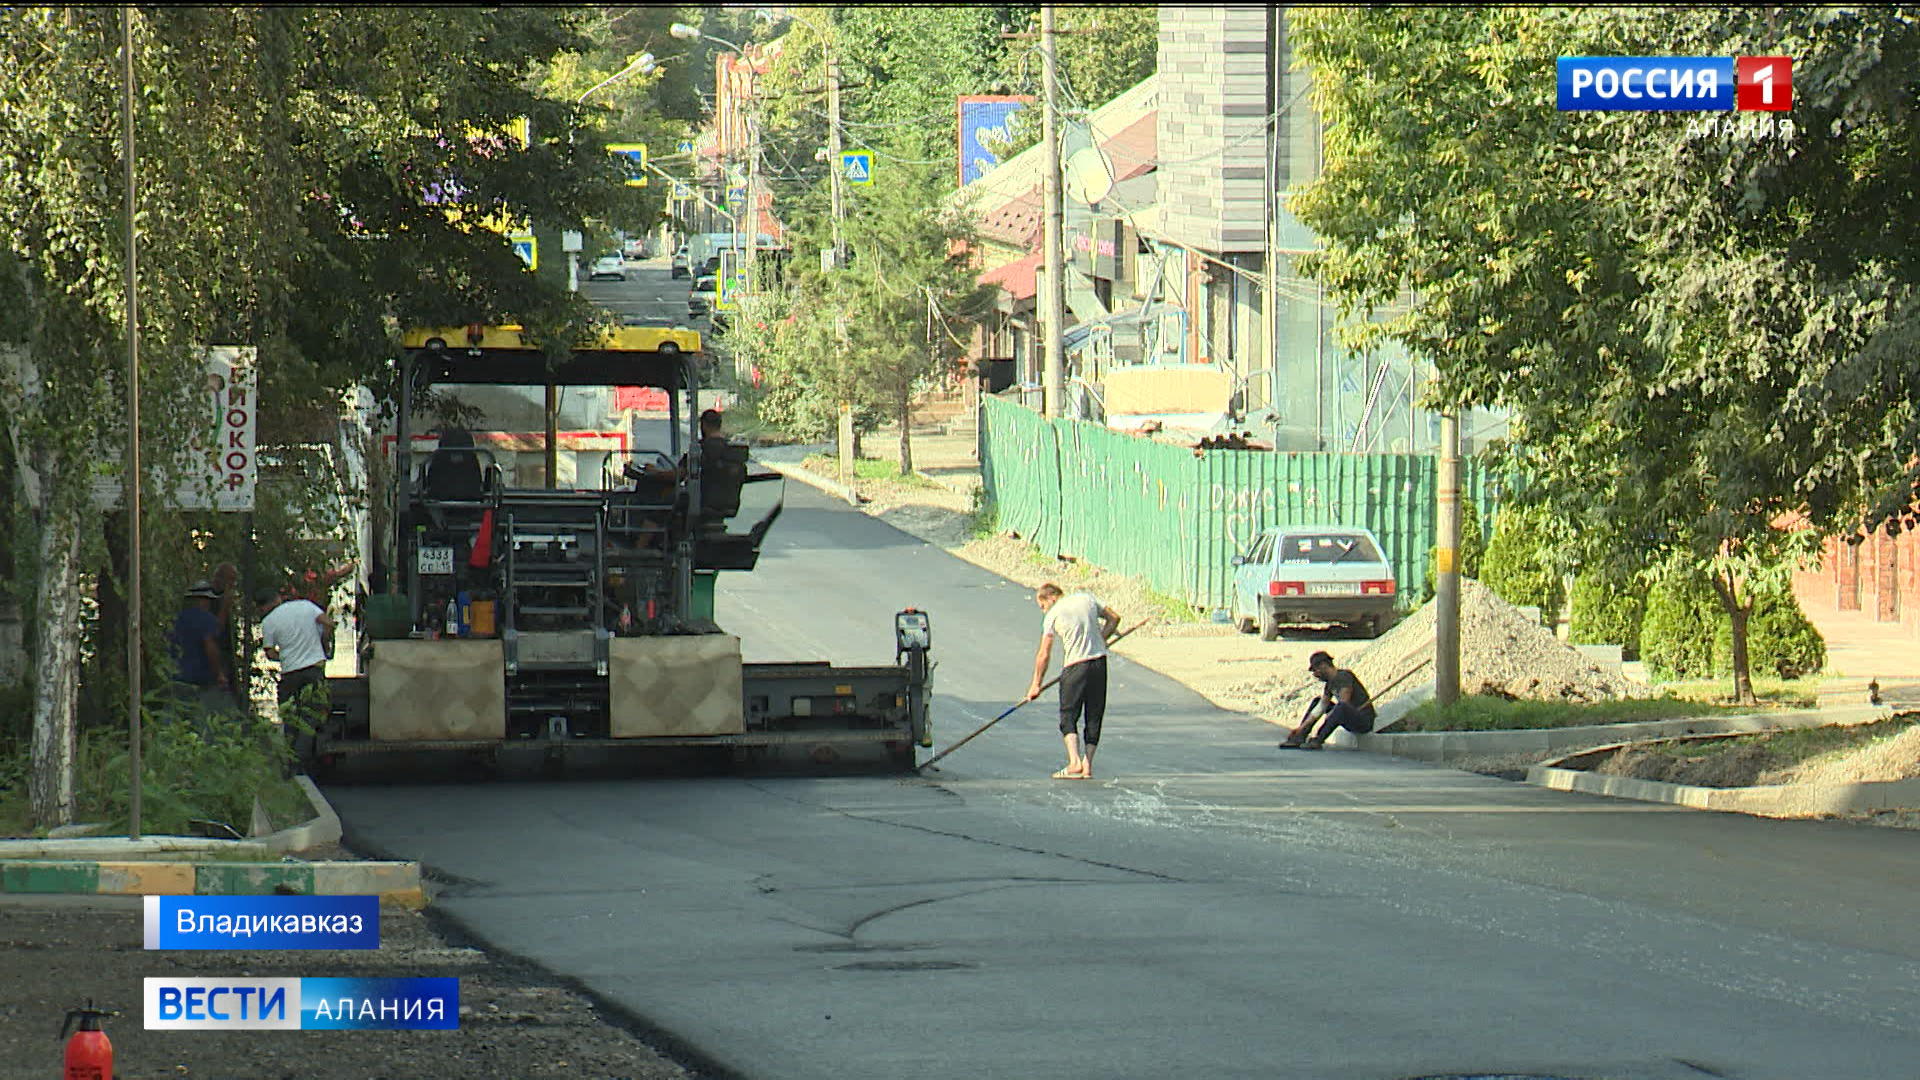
x=1699 y=332
x=871 y=333
x=1519 y=563
x=296 y=170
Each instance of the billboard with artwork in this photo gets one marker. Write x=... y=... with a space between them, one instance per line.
x=986 y=116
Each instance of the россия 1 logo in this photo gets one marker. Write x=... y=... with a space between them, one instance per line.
x=1676 y=83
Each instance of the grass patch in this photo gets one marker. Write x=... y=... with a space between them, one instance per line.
x=1783 y=693
x=193 y=767
x=983 y=519
x=1785 y=749
x=1485 y=713
x=1171 y=609
x=876 y=469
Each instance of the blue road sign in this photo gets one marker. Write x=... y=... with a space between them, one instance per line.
x=857 y=166
x=528 y=249
x=684 y=146
x=636 y=155
x=737 y=196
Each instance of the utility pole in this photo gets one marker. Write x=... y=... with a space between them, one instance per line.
x=845 y=432
x=1446 y=569
x=1053 y=303
x=753 y=224
x=1272 y=208
x=135 y=659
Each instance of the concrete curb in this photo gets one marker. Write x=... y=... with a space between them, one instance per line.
x=395 y=881
x=109 y=865
x=1446 y=746
x=814 y=479
x=1777 y=800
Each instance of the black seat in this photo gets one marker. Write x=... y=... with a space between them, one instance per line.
x=723 y=471
x=456 y=472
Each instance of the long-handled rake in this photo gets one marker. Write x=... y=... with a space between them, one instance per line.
x=1010 y=709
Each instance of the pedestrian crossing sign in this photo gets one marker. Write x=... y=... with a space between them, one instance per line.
x=636 y=161
x=857 y=167
x=528 y=248
x=685 y=146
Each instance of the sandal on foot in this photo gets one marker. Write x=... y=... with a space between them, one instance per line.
x=1313 y=744
x=1069 y=774
x=1290 y=744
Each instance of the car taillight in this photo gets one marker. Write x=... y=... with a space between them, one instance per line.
x=1286 y=588
x=1377 y=588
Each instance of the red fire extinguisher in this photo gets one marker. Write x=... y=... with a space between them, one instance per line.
x=89 y=1053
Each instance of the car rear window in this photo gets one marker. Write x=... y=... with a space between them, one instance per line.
x=1326 y=547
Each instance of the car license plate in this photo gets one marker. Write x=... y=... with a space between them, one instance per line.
x=1333 y=588
x=436 y=560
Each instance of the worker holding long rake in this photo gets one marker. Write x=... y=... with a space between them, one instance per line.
x=1082 y=625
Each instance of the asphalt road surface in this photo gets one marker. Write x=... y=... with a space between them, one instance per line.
x=650 y=292
x=1212 y=908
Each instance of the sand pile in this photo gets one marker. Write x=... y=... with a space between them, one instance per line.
x=1502 y=651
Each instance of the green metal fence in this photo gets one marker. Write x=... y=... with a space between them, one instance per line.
x=1176 y=517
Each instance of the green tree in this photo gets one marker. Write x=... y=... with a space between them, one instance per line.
x=1519 y=564
x=1687 y=363
x=1607 y=609
x=1105 y=50
x=297 y=168
x=901 y=306
x=1676 y=638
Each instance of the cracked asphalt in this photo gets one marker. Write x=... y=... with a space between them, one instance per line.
x=1209 y=908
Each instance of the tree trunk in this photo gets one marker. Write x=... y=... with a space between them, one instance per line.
x=905 y=409
x=1726 y=584
x=56 y=667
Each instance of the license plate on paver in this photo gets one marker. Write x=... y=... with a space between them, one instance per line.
x=436 y=560
x=1333 y=588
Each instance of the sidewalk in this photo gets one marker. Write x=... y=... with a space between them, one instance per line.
x=947 y=460
x=198 y=866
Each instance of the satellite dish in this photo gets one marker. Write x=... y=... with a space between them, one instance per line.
x=1086 y=174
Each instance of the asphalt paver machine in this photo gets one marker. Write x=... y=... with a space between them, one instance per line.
x=583 y=616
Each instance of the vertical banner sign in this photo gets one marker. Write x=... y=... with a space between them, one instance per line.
x=984 y=117
x=227 y=481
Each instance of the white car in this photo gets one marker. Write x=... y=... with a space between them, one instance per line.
x=610 y=265
x=1313 y=574
x=679 y=266
x=700 y=300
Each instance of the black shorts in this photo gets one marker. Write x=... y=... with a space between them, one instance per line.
x=1083 y=688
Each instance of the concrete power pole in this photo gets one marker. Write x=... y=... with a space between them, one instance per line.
x=845 y=427
x=1446 y=569
x=1053 y=301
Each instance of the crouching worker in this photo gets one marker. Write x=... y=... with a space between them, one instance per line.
x=1343 y=704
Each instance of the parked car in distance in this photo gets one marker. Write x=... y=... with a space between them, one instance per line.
x=1299 y=574
x=610 y=265
x=679 y=267
x=635 y=249
x=700 y=300
x=711 y=266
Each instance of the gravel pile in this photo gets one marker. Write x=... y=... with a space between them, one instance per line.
x=1503 y=652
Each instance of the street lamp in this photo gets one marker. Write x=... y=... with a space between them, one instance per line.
x=643 y=64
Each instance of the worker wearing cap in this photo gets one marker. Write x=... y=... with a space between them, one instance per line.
x=200 y=672
x=1345 y=703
